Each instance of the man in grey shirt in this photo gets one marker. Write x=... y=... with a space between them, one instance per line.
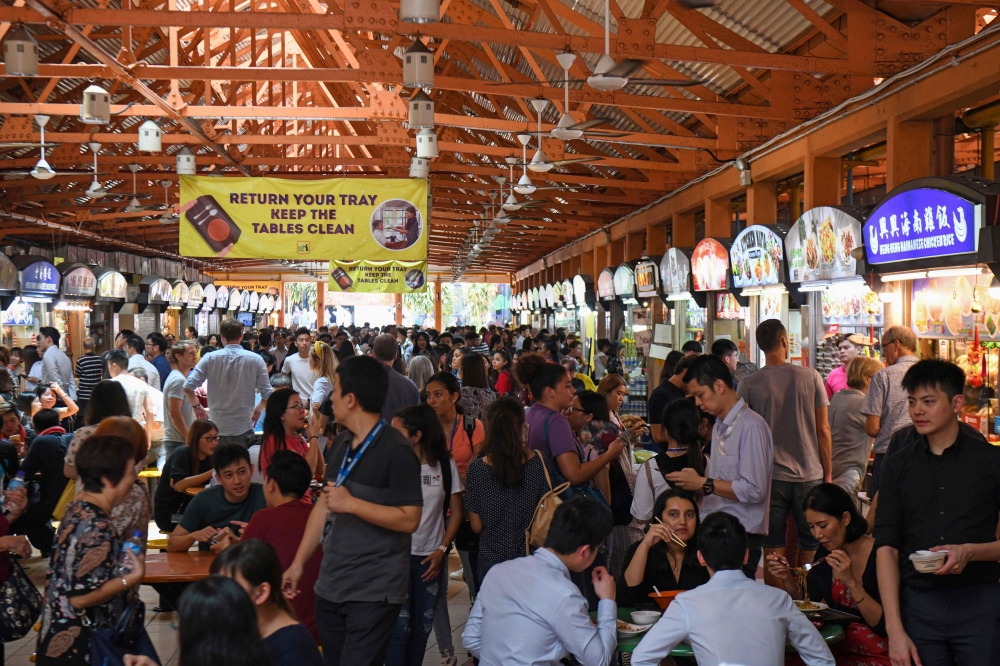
x=885 y=404
x=178 y=413
x=792 y=400
x=56 y=366
x=402 y=391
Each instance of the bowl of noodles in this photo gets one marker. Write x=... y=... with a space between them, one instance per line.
x=827 y=241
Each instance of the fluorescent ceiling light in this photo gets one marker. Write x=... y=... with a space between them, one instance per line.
x=814 y=286
x=895 y=277
x=954 y=272
x=753 y=291
x=679 y=296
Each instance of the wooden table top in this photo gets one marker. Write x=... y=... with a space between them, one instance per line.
x=194 y=490
x=185 y=567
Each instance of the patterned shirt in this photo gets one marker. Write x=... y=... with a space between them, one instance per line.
x=887 y=400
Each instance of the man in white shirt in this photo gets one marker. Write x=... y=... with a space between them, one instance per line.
x=135 y=390
x=280 y=349
x=297 y=365
x=731 y=619
x=155 y=397
x=136 y=350
x=56 y=366
x=529 y=612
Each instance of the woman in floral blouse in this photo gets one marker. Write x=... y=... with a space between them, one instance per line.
x=85 y=591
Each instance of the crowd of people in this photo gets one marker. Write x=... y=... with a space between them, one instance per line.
x=337 y=469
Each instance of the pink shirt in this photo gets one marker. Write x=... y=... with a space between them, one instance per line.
x=836 y=380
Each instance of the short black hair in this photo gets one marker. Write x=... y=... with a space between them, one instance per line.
x=291 y=472
x=834 y=501
x=302 y=330
x=103 y=457
x=157 y=340
x=137 y=344
x=227 y=454
x=707 y=369
x=724 y=347
x=119 y=358
x=51 y=333
x=579 y=522
x=692 y=346
x=367 y=379
x=722 y=541
x=595 y=404
x=935 y=373
x=45 y=418
x=769 y=334
x=685 y=363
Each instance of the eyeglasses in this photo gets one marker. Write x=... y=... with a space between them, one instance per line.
x=298 y=406
x=573 y=409
x=211 y=438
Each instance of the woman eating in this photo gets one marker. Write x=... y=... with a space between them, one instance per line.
x=255 y=566
x=659 y=559
x=431 y=542
x=187 y=467
x=86 y=593
x=285 y=417
x=844 y=577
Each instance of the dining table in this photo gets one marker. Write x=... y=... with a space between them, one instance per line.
x=183 y=567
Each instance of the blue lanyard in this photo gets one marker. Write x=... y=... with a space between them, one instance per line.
x=346 y=469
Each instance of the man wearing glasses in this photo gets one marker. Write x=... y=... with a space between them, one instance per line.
x=885 y=404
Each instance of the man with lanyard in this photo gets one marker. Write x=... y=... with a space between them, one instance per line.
x=370 y=507
x=737 y=479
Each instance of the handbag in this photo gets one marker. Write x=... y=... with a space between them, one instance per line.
x=108 y=647
x=20 y=605
x=541 y=519
x=585 y=489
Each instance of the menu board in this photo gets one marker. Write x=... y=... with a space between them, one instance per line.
x=40 y=277
x=756 y=257
x=557 y=294
x=920 y=224
x=942 y=307
x=695 y=315
x=647 y=281
x=159 y=292
x=727 y=307
x=771 y=301
x=79 y=282
x=111 y=285
x=535 y=303
x=196 y=294
x=580 y=290
x=235 y=298
x=709 y=265
x=180 y=293
x=550 y=295
x=221 y=299
x=209 y=293
x=819 y=245
x=254 y=304
x=19 y=313
x=675 y=272
x=624 y=281
x=567 y=292
x=606 y=285
x=845 y=305
x=245 y=300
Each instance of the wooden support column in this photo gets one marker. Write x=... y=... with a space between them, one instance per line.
x=617 y=252
x=437 y=305
x=822 y=182
x=908 y=151
x=588 y=265
x=575 y=264
x=320 y=303
x=635 y=245
x=399 y=309
x=762 y=203
x=683 y=229
x=718 y=217
x=656 y=239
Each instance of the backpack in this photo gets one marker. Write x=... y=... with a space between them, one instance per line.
x=541 y=519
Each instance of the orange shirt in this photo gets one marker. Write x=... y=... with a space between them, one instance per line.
x=459 y=444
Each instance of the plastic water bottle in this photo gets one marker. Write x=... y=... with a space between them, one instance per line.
x=15 y=484
x=134 y=544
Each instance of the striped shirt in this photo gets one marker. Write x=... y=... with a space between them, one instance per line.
x=89 y=370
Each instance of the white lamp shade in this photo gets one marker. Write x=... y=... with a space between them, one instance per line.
x=96 y=109
x=420 y=167
x=524 y=185
x=427 y=144
x=185 y=162
x=419 y=11
x=418 y=66
x=149 y=137
x=539 y=163
x=421 y=111
x=20 y=53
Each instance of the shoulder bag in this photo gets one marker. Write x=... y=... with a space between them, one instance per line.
x=538 y=528
x=20 y=605
x=108 y=647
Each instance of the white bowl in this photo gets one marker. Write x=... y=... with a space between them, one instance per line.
x=643 y=618
x=925 y=561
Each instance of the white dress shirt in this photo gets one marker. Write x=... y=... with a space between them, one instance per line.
x=234 y=376
x=529 y=613
x=152 y=374
x=742 y=453
x=736 y=620
x=56 y=367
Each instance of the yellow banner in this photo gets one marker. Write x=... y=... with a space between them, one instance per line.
x=393 y=277
x=346 y=219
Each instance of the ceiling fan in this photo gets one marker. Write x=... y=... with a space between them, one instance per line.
x=167 y=216
x=539 y=162
x=134 y=206
x=96 y=190
x=42 y=170
x=610 y=75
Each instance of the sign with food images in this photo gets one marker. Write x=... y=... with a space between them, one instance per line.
x=606 y=285
x=709 y=266
x=727 y=307
x=675 y=272
x=922 y=223
x=943 y=307
x=756 y=257
x=646 y=278
x=624 y=281
x=819 y=245
x=847 y=305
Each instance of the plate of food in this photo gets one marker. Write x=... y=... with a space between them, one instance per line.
x=846 y=247
x=827 y=241
x=628 y=630
x=810 y=606
x=812 y=258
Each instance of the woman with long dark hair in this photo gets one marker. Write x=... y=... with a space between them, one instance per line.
x=442 y=493
x=846 y=578
x=476 y=392
x=444 y=395
x=422 y=346
x=254 y=564
x=504 y=383
x=107 y=399
x=504 y=485
x=189 y=466
x=284 y=419
x=658 y=560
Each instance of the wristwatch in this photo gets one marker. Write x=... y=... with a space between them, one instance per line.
x=708 y=487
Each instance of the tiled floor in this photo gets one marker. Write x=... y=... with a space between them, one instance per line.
x=164 y=637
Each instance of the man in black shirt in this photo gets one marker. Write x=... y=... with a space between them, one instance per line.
x=942 y=493
x=670 y=389
x=44 y=459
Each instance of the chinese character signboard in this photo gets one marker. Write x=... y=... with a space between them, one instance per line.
x=40 y=277
x=922 y=223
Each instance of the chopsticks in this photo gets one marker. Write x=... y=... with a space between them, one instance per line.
x=673 y=537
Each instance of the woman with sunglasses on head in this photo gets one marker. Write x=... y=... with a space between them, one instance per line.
x=285 y=417
x=189 y=466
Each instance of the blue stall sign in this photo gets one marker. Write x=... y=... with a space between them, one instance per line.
x=922 y=223
x=40 y=277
